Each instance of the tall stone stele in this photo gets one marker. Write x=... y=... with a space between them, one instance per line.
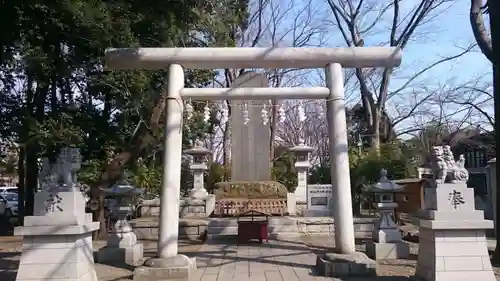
x=249 y=140
x=57 y=239
x=452 y=242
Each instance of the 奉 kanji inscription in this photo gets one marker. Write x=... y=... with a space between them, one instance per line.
x=456 y=198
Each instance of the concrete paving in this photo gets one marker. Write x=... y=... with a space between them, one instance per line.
x=289 y=260
x=273 y=261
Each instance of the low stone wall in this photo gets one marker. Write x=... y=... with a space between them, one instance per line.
x=197 y=208
x=363 y=227
x=291 y=226
x=146 y=228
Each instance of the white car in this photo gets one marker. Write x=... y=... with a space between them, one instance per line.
x=9 y=204
x=11 y=189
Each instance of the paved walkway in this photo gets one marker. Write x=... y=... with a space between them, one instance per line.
x=273 y=261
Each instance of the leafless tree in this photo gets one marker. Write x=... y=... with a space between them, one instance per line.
x=450 y=110
x=363 y=21
x=476 y=96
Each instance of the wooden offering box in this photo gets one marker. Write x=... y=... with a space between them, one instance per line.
x=253 y=224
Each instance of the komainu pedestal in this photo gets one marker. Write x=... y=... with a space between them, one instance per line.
x=57 y=240
x=452 y=242
x=58 y=246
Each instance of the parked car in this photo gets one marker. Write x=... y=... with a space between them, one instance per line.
x=11 y=189
x=10 y=201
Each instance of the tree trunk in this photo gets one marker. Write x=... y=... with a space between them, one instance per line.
x=31 y=178
x=494 y=10
x=274 y=115
x=21 y=187
x=226 y=146
x=375 y=130
x=478 y=28
x=144 y=137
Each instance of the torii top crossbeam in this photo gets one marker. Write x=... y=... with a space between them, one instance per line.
x=217 y=58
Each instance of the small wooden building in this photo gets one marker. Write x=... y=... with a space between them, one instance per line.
x=411 y=199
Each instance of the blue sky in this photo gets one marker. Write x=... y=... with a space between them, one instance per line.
x=451 y=29
x=450 y=32
x=446 y=34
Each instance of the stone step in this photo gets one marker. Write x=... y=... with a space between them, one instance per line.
x=231 y=230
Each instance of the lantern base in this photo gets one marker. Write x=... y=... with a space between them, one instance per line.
x=201 y=193
x=130 y=255
x=356 y=264
x=179 y=267
x=388 y=251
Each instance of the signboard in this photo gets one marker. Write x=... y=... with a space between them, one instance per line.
x=319 y=199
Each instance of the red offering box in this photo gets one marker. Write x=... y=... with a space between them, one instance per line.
x=253 y=225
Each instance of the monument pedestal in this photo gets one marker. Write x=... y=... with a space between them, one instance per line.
x=58 y=246
x=130 y=255
x=179 y=267
x=452 y=241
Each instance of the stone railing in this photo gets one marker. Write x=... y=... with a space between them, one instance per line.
x=147 y=228
x=233 y=206
x=189 y=207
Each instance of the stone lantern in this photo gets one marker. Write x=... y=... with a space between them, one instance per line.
x=386 y=240
x=122 y=243
x=198 y=167
x=302 y=164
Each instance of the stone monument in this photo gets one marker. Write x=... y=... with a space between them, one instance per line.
x=198 y=167
x=386 y=240
x=249 y=142
x=319 y=200
x=302 y=165
x=122 y=243
x=57 y=239
x=452 y=242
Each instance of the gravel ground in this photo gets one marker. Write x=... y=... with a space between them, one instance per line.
x=399 y=267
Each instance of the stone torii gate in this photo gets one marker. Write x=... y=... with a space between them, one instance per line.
x=168 y=262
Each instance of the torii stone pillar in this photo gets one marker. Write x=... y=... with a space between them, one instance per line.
x=169 y=261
